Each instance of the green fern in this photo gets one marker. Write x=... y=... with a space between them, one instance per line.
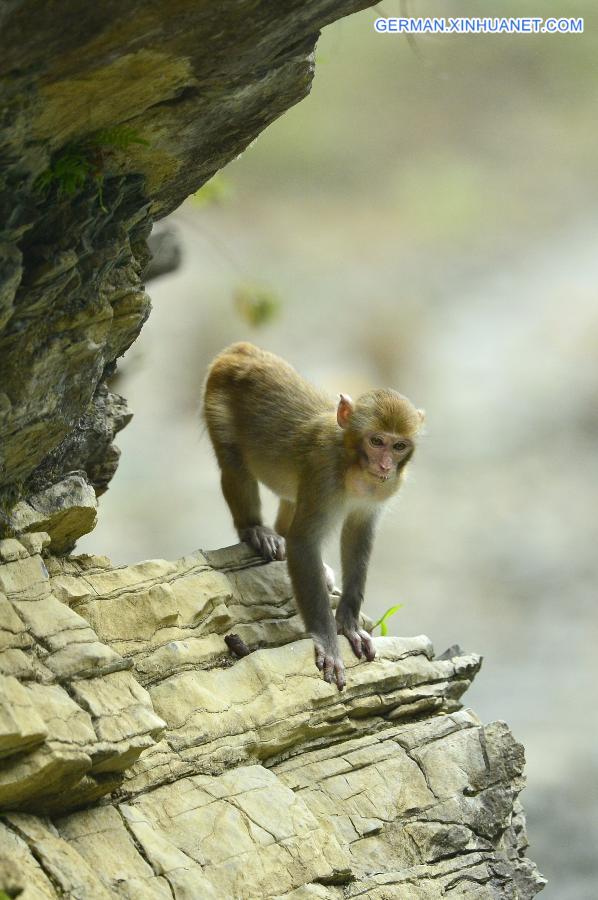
x=120 y=137
x=68 y=172
x=70 y=169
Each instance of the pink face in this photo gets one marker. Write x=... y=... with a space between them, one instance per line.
x=383 y=452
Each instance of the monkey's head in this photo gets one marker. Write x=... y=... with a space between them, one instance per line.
x=380 y=430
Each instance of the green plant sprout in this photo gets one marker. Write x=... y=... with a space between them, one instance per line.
x=382 y=620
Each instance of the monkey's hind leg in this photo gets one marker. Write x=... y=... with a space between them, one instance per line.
x=284 y=520
x=241 y=492
x=330 y=579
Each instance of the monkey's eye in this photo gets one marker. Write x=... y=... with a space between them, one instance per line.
x=376 y=441
x=400 y=446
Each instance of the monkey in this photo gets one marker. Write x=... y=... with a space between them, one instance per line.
x=328 y=463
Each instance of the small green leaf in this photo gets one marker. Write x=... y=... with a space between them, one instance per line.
x=382 y=620
x=256 y=305
x=215 y=191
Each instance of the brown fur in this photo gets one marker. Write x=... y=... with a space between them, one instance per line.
x=268 y=424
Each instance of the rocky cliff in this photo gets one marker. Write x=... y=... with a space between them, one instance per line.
x=112 y=113
x=141 y=759
x=138 y=758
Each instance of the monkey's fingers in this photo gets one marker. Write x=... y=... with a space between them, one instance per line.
x=320 y=656
x=332 y=666
x=334 y=671
x=265 y=542
x=361 y=642
x=269 y=548
x=367 y=645
x=254 y=538
x=271 y=545
x=355 y=641
x=339 y=673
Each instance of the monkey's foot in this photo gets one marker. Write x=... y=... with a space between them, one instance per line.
x=330 y=578
x=360 y=640
x=330 y=663
x=264 y=541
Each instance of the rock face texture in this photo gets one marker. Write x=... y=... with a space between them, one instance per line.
x=111 y=114
x=140 y=759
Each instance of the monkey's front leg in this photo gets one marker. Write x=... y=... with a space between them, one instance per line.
x=307 y=574
x=242 y=495
x=356 y=546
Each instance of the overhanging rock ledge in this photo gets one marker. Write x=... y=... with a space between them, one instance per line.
x=111 y=114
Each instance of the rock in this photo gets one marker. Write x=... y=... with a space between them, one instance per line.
x=75 y=312
x=239 y=778
x=11 y=550
x=111 y=118
x=64 y=511
x=89 y=446
x=21 y=726
x=165 y=248
x=72 y=717
x=34 y=543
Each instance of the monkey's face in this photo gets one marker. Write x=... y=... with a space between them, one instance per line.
x=383 y=454
x=379 y=437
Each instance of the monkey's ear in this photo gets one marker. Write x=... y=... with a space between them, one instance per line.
x=344 y=409
x=422 y=415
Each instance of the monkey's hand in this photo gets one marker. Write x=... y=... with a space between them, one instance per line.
x=265 y=542
x=360 y=640
x=329 y=661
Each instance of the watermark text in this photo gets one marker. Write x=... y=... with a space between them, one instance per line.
x=479 y=25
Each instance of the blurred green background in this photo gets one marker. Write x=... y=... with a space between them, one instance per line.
x=428 y=221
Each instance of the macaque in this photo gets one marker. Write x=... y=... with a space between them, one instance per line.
x=326 y=465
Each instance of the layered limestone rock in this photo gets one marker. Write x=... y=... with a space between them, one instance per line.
x=240 y=778
x=111 y=115
x=72 y=715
